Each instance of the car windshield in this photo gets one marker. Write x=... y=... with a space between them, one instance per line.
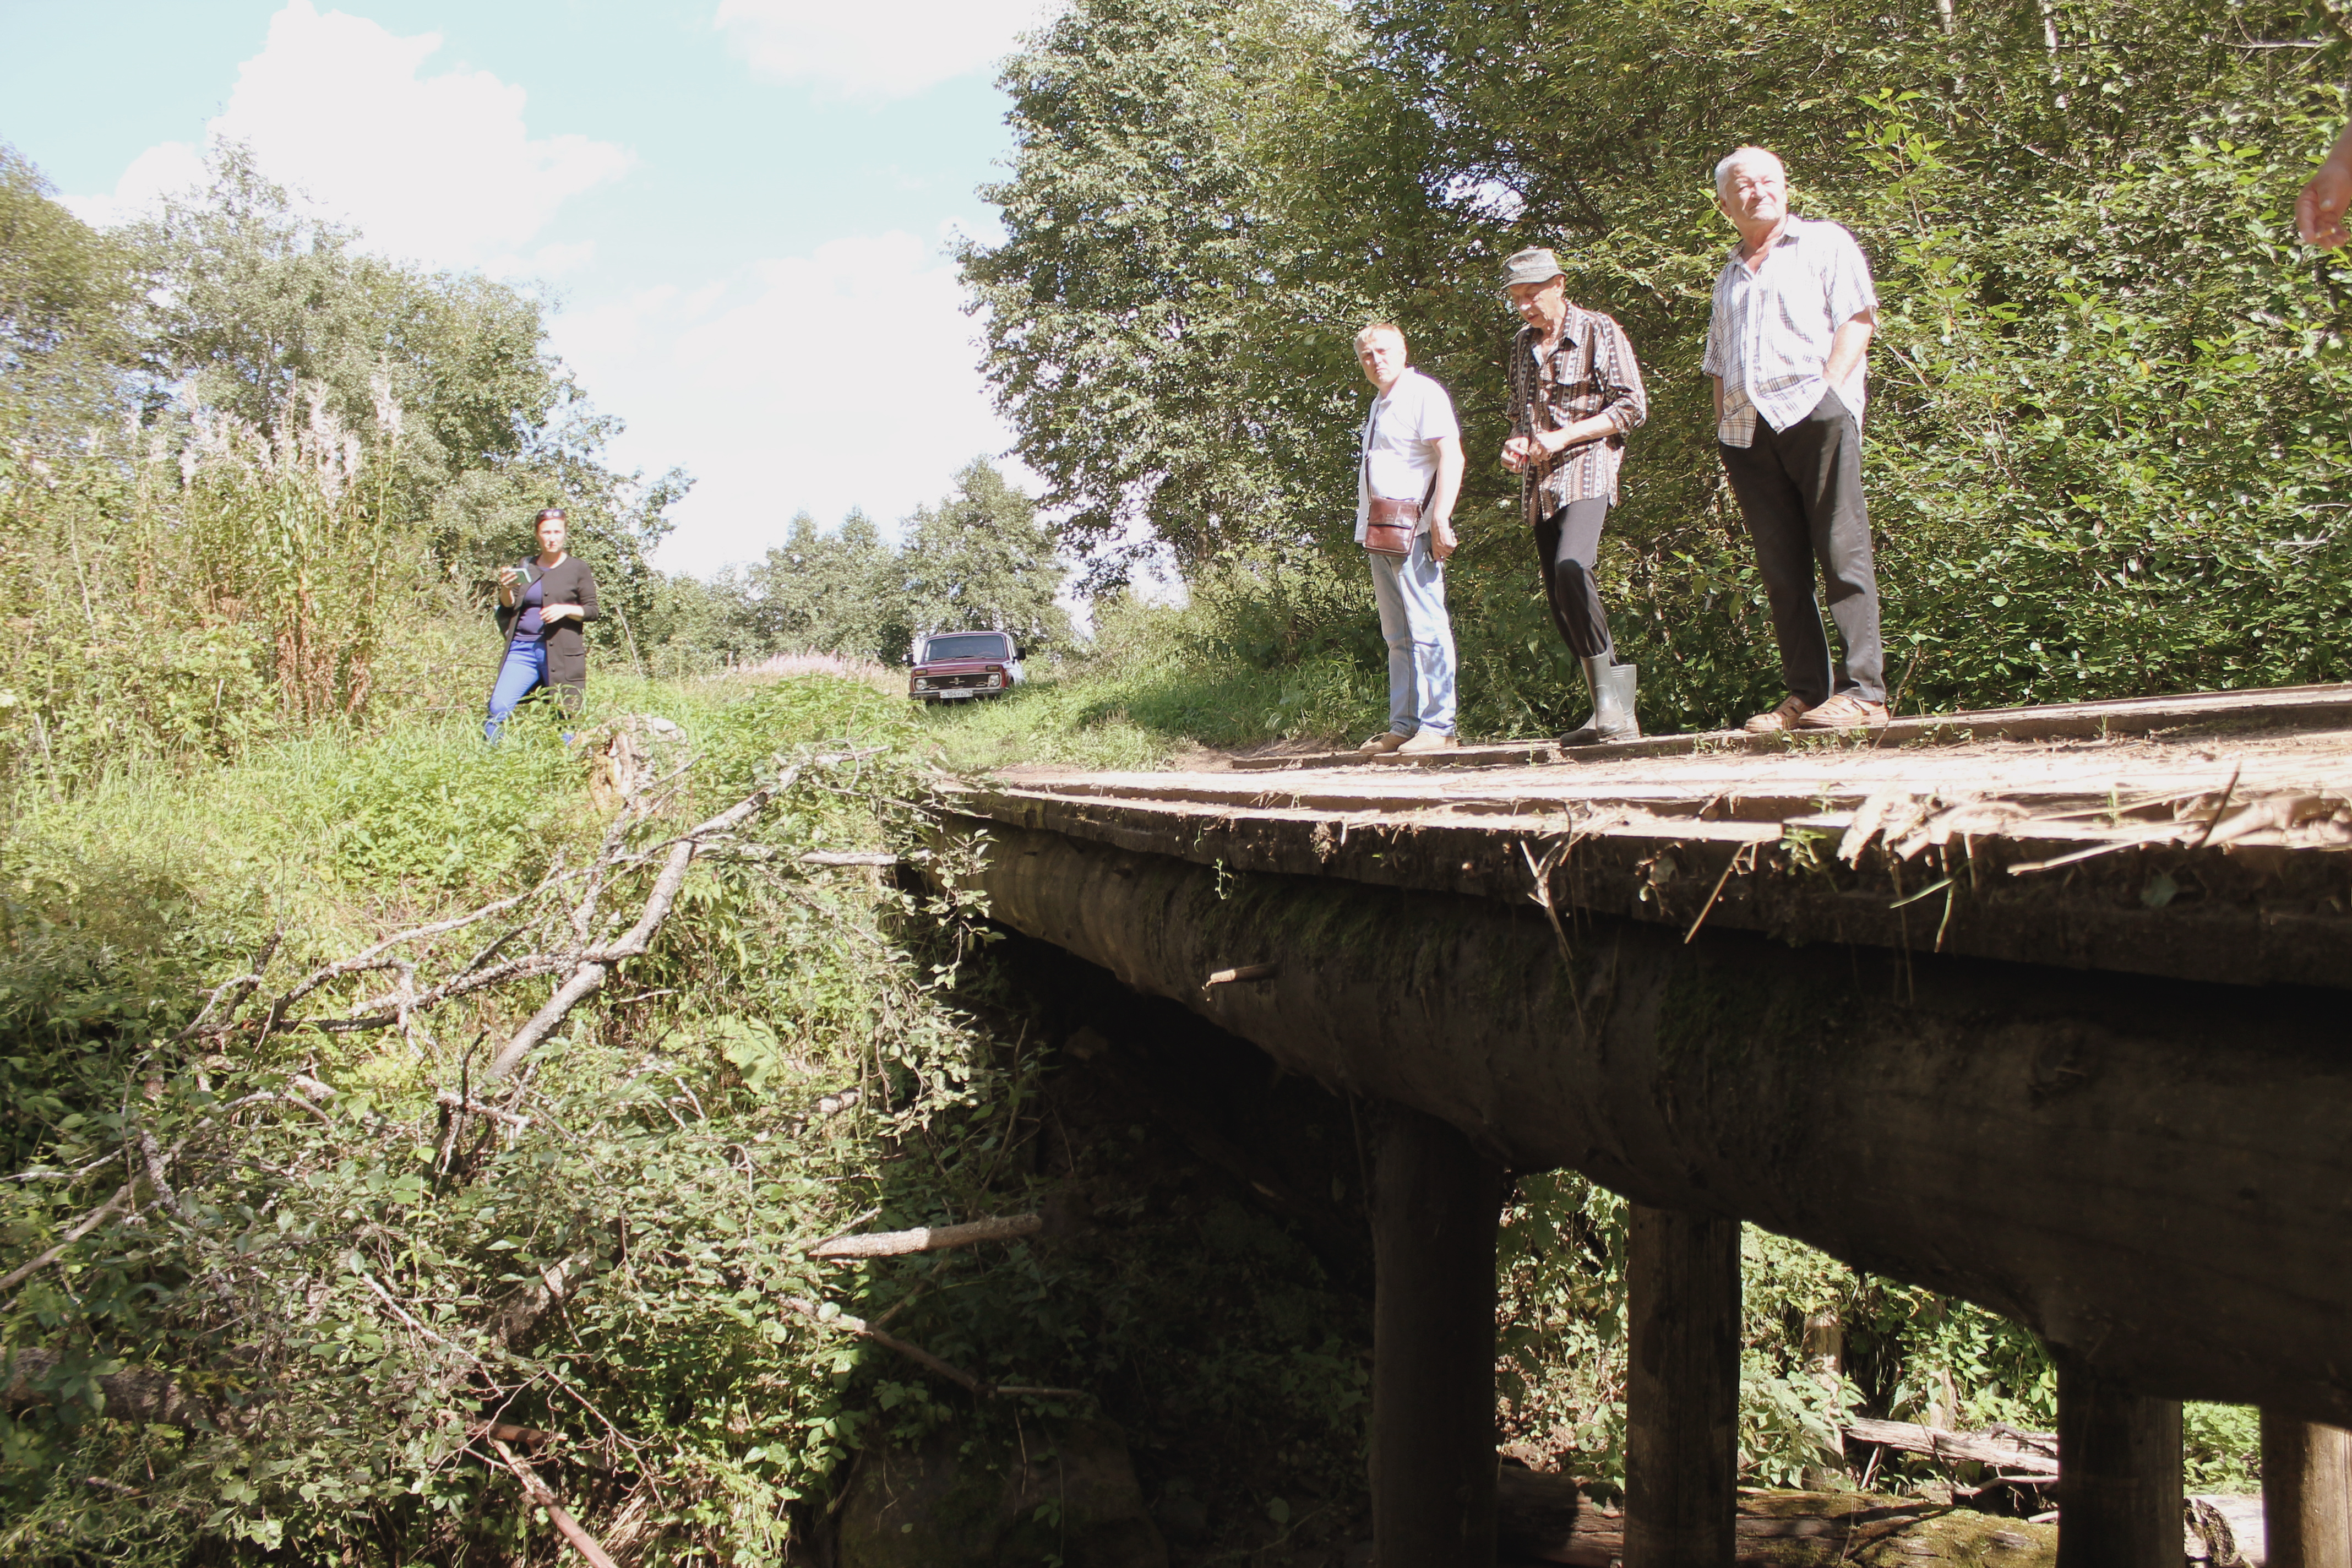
x=980 y=644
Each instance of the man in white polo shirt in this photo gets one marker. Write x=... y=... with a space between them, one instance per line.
x=1794 y=310
x=1411 y=451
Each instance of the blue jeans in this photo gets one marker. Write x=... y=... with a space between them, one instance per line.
x=1410 y=592
x=524 y=673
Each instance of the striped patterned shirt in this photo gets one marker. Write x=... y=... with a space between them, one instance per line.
x=1591 y=370
x=1769 y=336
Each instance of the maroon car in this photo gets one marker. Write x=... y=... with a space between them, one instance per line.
x=953 y=665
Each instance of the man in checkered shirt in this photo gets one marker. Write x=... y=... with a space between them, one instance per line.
x=1576 y=390
x=1793 y=313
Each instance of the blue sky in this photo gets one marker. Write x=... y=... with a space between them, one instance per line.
x=742 y=205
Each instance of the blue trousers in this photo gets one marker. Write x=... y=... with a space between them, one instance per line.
x=524 y=673
x=1410 y=592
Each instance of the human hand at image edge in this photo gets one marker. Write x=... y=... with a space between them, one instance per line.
x=2319 y=210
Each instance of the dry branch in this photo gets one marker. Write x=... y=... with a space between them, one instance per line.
x=900 y=1243
x=596 y=963
x=539 y=1492
x=144 y=1395
x=87 y=1224
x=921 y=1357
x=2025 y=1453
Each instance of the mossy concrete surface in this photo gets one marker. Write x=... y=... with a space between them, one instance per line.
x=1800 y=1530
x=1065 y=1494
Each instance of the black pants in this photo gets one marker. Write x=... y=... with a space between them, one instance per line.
x=1800 y=491
x=1565 y=544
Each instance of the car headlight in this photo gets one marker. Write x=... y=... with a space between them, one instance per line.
x=996 y=680
x=922 y=683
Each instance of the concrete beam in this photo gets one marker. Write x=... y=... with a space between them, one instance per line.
x=2151 y=1170
x=1436 y=1203
x=2306 y=1494
x=1681 y=1390
x=2119 y=1494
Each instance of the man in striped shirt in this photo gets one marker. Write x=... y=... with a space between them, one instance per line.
x=1575 y=390
x=1794 y=310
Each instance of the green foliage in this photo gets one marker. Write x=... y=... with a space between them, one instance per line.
x=1142 y=330
x=830 y=593
x=66 y=294
x=982 y=562
x=979 y=560
x=2106 y=421
x=236 y=455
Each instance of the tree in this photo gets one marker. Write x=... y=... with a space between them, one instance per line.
x=983 y=561
x=65 y=293
x=827 y=593
x=1145 y=335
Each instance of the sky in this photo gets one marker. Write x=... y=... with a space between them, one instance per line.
x=741 y=208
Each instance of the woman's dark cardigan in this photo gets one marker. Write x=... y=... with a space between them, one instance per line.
x=569 y=583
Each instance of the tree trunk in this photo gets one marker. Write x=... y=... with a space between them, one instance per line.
x=2306 y=1494
x=1435 y=1205
x=1682 y=1396
x=2119 y=1496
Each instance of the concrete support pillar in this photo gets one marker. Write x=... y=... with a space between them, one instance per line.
x=1435 y=1205
x=2119 y=1497
x=2306 y=1494
x=1681 y=1393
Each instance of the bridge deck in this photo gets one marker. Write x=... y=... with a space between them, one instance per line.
x=2201 y=838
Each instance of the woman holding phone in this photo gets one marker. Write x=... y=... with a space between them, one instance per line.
x=542 y=605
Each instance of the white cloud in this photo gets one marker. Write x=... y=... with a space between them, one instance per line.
x=841 y=378
x=875 y=51
x=439 y=169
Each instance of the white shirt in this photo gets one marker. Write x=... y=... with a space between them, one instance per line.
x=1398 y=458
x=1769 y=336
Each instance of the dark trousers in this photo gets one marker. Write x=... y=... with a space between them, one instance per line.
x=1565 y=544
x=1800 y=491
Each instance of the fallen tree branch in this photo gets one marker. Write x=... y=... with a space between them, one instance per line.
x=539 y=1492
x=88 y=1223
x=598 y=961
x=142 y=1395
x=229 y=993
x=900 y=1243
x=2027 y=1453
x=846 y=1324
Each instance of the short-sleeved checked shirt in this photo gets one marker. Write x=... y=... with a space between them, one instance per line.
x=1769 y=336
x=1590 y=371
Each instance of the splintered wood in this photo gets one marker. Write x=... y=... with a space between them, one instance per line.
x=2202 y=838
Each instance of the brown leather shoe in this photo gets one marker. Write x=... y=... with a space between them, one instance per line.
x=1382 y=743
x=1784 y=717
x=1426 y=740
x=1843 y=712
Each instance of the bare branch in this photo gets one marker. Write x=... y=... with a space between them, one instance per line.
x=538 y=1492
x=87 y=1224
x=226 y=995
x=844 y=1324
x=900 y=1243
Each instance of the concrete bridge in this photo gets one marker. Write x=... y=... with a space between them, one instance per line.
x=2044 y=1008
